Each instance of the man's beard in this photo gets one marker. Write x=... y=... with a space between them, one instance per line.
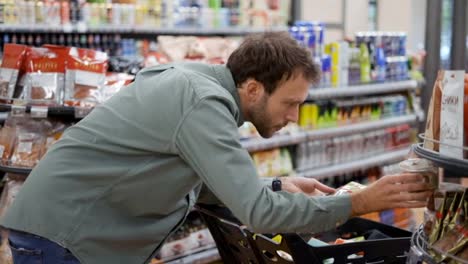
x=261 y=120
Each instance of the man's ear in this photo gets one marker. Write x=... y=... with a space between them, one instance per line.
x=253 y=89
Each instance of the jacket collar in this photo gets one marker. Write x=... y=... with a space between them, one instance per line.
x=224 y=76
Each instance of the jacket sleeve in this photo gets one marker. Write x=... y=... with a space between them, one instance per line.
x=207 y=139
x=207 y=197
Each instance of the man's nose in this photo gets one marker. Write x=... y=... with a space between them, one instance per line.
x=293 y=116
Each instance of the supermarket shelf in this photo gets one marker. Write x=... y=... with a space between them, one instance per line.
x=365 y=89
x=202 y=255
x=47 y=111
x=258 y=144
x=375 y=160
x=15 y=170
x=231 y=31
x=360 y=127
x=456 y=167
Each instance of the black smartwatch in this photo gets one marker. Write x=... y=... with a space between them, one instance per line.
x=276 y=185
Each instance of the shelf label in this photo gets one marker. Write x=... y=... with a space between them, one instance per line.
x=39 y=111
x=18 y=110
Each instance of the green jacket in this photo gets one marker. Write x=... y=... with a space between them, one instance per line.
x=121 y=180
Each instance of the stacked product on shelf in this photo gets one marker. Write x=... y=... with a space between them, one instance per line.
x=152 y=13
x=443 y=237
x=273 y=163
x=331 y=113
x=337 y=150
x=192 y=236
x=373 y=57
x=56 y=75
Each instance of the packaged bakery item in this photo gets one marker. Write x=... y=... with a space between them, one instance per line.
x=29 y=141
x=433 y=115
x=13 y=57
x=114 y=83
x=7 y=139
x=451 y=114
x=44 y=79
x=54 y=131
x=85 y=77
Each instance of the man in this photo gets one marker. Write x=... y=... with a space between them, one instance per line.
x=124 y=178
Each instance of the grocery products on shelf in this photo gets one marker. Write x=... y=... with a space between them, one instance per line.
x=191 y=236
x=24 y=140
x=330 y=113
x=319 y=153
x=272 y=163
x=148 y=13
x=57 y=75
x=372 y=57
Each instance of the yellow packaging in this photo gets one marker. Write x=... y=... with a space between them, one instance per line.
x=333 y=49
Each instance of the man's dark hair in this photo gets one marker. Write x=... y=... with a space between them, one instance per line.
x=269 y=58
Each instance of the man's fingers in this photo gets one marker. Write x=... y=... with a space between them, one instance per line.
x=405 y=178
x=324 y=188
x=413 y=187
x=415 y=196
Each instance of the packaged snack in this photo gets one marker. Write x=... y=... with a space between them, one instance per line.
x=441 y=205
x=454 y=240
x=433 y=115
x=13 y=57
x=462 y=254
x=451 y=115
x=44 y=78
x=85 y=77
x=451 y=213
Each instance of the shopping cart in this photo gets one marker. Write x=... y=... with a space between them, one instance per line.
x=237 y=245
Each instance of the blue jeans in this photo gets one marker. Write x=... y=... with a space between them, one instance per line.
x=31 y=249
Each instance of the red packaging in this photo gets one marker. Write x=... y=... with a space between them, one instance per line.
x=45 y=75
x=85 y=77
x=13 y=57
x=114 y=83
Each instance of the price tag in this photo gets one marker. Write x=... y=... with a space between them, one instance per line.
x=18 y=110
x=39 y=111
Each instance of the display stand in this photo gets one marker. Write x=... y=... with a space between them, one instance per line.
x=454 y=168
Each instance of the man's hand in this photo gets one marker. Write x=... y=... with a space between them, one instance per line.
x=305 y=185
x=406 y=190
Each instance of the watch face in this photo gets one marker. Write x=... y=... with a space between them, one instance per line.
x=276 y=185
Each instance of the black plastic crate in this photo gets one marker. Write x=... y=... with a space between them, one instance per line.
x=236 y=244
